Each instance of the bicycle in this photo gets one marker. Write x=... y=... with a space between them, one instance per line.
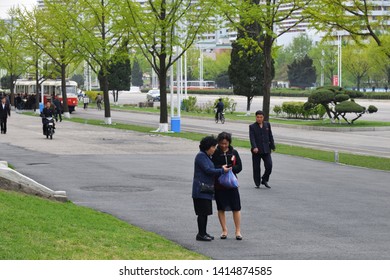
x=220 y=117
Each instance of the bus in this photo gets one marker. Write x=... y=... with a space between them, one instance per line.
x=197 y=84
x=48 y=90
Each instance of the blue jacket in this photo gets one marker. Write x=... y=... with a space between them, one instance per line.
x=204 y=172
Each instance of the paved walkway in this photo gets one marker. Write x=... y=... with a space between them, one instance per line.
x=315 y=210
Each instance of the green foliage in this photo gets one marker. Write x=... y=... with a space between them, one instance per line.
x=337 y=102
x=189 y=104
x=246 y=67
x=79 y=79
x=277 y=110
x=302 y=110
x=92 y=95
x=349 y=107
x=301 y=73
x=136 y=75
x=341 y=97
x=372 y=109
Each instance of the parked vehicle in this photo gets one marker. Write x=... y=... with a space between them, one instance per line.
x=153 y=95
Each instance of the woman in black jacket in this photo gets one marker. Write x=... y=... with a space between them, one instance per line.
x=227 y=199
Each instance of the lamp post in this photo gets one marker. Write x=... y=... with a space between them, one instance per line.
x=339 y=64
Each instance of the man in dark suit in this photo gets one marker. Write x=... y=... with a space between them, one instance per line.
x=262 y=142
x=5 y=111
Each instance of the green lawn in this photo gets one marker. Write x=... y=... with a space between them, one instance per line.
x=32 y=228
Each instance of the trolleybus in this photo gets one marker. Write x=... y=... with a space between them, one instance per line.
x=48 y=90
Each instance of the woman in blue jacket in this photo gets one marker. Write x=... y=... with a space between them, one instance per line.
x=205 y=172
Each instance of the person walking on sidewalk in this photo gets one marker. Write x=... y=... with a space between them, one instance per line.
x=58 y=109
x=262 y=142
x=204 y=174
x=5 y=112
x=86 y=101
x=227 y=199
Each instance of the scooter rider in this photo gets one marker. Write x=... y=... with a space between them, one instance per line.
x=46 y=113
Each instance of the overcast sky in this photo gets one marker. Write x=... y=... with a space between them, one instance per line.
x=5 y=5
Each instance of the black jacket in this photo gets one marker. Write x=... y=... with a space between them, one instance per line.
x=4 y=113
x=220 y=158
x=261 y=138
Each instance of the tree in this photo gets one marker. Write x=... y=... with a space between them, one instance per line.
x=246 y=67
x=95 y=30
x=223 y=80
x=297 y=49
x=268 y=14
x=119 y=69
x=137 y=75
x=11 y=47
x=359 y=18
x=324 y=57
x=338 y=102
x=302 y=73
x=52 y=38
x=79 y=79
x=355 y=61
x=164 y=30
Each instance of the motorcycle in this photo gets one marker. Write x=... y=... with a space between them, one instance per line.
x=49 y=123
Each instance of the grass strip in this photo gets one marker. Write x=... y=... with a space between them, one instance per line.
x=33 y=228
x=344 y=158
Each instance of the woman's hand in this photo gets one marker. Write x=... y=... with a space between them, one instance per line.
x=226 y=168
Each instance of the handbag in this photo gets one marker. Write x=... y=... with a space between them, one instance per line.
x=206 y=188
x=228 y=180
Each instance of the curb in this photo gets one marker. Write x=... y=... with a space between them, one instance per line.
x=14 y=181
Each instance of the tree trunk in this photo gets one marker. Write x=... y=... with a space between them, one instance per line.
x=162 y=75
x=106 y=98
x=37 y=96
x=63 y=89
x=12 y=97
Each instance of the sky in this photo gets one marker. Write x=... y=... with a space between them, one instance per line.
x=5 y=5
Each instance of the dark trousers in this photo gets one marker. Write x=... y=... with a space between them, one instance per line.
x=202 y=225
x=58 y=115
x=256 y=161
x=3 y=125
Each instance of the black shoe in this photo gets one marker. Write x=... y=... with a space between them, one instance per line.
x=212 y=237
x=239 y=237
x=203 y=238
x=266 y=184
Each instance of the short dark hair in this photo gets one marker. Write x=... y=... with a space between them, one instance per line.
x=207 y=142
x=224 y=136
x=259 y=112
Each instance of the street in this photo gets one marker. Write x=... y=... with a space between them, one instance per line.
x=315 y=210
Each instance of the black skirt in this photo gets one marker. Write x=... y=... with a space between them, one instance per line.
x=203 y=207
x=228 y=199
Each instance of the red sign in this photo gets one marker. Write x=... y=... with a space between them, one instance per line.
x=335 y=80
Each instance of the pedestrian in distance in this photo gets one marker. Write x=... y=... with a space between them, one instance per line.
x=227 y=199
x=85 y=101
x=99 y=100
x=204 y=174
x=262 y=142
x=5 y=112
x=220 y=106
x=58 y=109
